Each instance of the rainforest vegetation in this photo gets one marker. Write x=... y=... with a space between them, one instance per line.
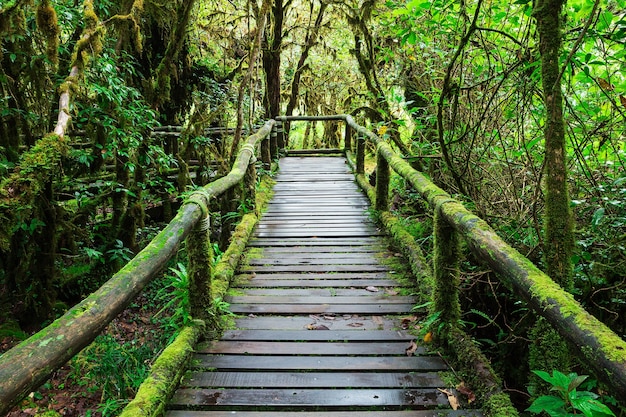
x=110 y=111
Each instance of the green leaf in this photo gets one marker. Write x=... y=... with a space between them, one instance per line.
x=575 y=381
x=548 y=403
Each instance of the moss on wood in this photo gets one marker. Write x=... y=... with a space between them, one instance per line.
x=155 y=391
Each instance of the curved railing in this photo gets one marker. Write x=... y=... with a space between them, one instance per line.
x=600 y=347
x=28 y=365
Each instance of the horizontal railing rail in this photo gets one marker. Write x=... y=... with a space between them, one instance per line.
x=29 y=364
x=600 y=347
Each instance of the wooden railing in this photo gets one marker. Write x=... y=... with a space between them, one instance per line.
x=601 y=348
x=28 y=365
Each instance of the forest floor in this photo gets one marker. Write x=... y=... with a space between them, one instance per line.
x=75 y=389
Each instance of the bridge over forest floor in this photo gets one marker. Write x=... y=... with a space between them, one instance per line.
x=320 y=331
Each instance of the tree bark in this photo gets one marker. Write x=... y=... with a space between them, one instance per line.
x=559 y=240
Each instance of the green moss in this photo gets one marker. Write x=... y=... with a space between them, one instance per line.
x=499 y=405
x=48 y=24
x=167 y=370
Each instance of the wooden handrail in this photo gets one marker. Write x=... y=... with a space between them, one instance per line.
x=28 y=365
x=602 y=348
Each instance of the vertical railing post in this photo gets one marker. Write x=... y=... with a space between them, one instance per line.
x=347 y=141
x=200 y=258
x=266 y=155
x=280 y=138
x=274 y=143
x=446 y=270
x=360 y=154
x=249 y=180
x=382 y=182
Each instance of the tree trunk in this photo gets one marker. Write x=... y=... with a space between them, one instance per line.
x=559 y=241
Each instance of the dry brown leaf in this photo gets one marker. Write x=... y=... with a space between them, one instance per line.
x=377 y=319
x=406 y=322
x=371 y=289
x=314 y=326
x=411 y=349
x=391 y=291
x=329 y=318
x=463 y=389
x=355 y=324
x=622 y=100
x=454 y=402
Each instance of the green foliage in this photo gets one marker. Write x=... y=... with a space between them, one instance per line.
x=571 y=397
x=175 y=295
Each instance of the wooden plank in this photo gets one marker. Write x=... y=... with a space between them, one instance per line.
x=278 y=298
x=318 y=241
x=312 y=380
x=333 y=322
x=319 y=363
x=320 y=308
x=318 y=335
x=385 y=413
x=315 y=292
x=315 y=275
x=314 y=268
x=313 y=260
x=309 y=348
x=210 y=398
x=318 y=250
x=338 y=283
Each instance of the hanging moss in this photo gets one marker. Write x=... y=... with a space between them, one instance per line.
x=90 y=44
x=48 y=25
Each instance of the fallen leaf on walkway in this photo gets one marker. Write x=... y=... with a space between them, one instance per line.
x=314 y=326
x=252 y=315
x=355 y=324
x=411 y=349
x=330 y=318
x=371 y=289
x=406 y=322
x=454 y=402
x=463 y=389
x=391 y=291
x=428 y=337
x=377 y=319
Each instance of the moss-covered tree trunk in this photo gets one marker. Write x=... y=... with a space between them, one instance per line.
x=548 y=350
x=559 y=241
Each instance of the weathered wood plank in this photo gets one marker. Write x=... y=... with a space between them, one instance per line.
x=312 y=380
x=210 y=398
x=320 y=308
x=334 y=259
x=333 y=322
x=319 y=292
x=374 y=298
x=309 y=348
x=385 y=413
x=314 y=268
x=315 y=275
x=318 y=335
x=312 y=283
x=319 y=241
x=320 y=363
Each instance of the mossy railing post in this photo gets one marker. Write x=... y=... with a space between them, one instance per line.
x=280 y=136
x=200 y=257
x=347 y=141
x=382 y=182
x=249 y=180
x=446 y=271
x=274 y=143
x=360 y=154
x=266 y=156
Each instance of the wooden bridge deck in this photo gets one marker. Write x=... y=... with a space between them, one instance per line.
x=320 y=328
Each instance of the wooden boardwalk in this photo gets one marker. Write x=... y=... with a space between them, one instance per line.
x=320 y=328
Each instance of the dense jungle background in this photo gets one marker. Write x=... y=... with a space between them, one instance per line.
x=111 y=110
